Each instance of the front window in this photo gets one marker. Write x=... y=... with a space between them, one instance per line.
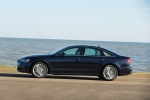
x=72 y=51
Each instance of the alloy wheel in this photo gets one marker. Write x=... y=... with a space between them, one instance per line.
x=39 y=70
x=110 y=73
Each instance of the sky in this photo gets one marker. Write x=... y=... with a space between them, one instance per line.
x=97 y=20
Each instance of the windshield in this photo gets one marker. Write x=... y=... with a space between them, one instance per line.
x=56 y=51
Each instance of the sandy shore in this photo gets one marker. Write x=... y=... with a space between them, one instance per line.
x=19 y=86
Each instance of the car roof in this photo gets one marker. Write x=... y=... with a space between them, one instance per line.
x=98 y=47
x=84 y=46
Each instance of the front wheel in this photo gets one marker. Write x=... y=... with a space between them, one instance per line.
x=109 y=73
x=39 y=70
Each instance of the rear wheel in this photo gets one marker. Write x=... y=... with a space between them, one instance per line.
x=109 y=73
x=39 y=70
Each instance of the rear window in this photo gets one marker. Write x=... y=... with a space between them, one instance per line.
x=106 y=54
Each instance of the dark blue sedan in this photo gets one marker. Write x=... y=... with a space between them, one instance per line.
x=77 y=60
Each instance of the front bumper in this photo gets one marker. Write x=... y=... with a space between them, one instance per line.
x=23 y=67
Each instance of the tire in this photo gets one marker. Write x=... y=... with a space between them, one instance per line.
x=109 y=73
x=39 y=70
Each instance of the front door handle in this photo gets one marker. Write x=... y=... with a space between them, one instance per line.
x=77 y=58
x=101 y=59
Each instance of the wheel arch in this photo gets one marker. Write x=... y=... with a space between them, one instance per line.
x=107 y=65
x=30 y=71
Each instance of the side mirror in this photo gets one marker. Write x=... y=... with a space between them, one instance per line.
x=62 y=54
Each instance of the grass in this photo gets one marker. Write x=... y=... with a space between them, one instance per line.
x=11 y=67
x=8 y=69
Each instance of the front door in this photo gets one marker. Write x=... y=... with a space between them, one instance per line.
x=67 y=61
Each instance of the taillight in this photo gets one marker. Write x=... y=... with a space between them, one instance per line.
x=129 y=60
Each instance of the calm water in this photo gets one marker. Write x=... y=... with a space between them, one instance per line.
x=11 y=49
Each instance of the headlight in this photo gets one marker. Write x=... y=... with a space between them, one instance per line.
x=24 y=60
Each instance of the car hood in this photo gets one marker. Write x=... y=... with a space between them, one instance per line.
x=35 y=56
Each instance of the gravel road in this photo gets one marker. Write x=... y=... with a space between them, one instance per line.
x=18 y=86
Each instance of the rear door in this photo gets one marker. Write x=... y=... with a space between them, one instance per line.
x=91 y=61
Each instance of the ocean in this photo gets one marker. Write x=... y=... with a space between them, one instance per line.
x=13 y=48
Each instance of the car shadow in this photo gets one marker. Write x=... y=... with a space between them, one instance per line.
x=51 y=76
x=73 y=77
x=15 y=75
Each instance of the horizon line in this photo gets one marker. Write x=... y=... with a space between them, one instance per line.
x=73 y=39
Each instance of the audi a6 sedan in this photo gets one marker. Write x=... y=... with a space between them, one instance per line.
x=77 y=60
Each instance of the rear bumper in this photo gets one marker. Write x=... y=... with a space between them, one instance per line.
x=125 y=71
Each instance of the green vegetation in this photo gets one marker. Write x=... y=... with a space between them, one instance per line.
x=12 y=67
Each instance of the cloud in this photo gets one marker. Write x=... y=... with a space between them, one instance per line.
x=145 y=10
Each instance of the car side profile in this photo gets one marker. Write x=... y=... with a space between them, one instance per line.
x=77 y=60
